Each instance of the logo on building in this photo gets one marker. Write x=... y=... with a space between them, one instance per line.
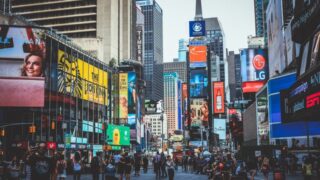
x=197 y=27
x=259 y=62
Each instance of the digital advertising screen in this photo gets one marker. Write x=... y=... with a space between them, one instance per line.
x=198 y=56
x=197 y=28
x=218 y=97
x=262 y=117
x=118 y=135
x=220 y=128
x=254 y=68
x=198 y=83
x=199 y=112
x=22 y=66
x=123 y=95
x=132 y=96
x=180 y=123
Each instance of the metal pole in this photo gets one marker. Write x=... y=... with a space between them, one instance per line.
x=201 y=136
x=308 y=137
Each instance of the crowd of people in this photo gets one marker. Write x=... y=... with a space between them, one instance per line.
x=36 y=165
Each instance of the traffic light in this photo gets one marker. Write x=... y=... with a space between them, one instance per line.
x=32 y=129
x=2 y=133
x=53 y=125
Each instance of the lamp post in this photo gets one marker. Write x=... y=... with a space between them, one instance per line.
x=162 y=135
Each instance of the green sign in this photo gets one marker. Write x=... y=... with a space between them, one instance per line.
x=116 y=148
x=118 y=135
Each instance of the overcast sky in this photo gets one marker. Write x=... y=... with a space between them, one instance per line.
x=236 y=18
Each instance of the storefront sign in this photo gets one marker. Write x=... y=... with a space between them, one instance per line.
x=52 y=145
x=302 y=100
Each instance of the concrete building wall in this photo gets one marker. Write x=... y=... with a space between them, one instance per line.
x=250 y=125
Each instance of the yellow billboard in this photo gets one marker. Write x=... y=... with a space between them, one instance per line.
x=123 y=95
x=81 y=79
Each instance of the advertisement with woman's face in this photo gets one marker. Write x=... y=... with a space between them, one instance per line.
x=22 y=50
x=22 y=62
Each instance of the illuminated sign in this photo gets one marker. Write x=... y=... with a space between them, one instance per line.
x=198 y=56
x=197 y=28
x=254 y=86
x=218 y=97
x=81 y=79
x=118 y=135
x=123 y=95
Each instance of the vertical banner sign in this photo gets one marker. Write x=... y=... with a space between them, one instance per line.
x=123 y=95
x=179 y=105
x=218 y=97
x=132 y=98
x=185 y=101
x=139 y=43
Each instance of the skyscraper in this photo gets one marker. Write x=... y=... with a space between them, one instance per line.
x=153 y=43
x=176 y=67
x=183 y=48
x=104 y=28
x=260 y=8
x=215 y=39
x=170 y=81
x=234 y=72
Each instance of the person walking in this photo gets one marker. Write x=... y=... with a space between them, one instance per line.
x=145 y=164
x=110 y=171
x=157 y=165
x=137 y=164
x=61 y=168
x=95 y=167
x=170 y=166
x=265 y=168
x=307 y=169
x=77 y=167
x=128 y=166
x=163 y=165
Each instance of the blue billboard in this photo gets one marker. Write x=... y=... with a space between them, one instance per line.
x=197 y=28
x=277 y=128
x=198 y=83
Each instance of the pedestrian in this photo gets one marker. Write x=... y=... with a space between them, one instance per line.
x=170 y=166
x=40 y=165
x=145 y=163
x=3 y=167
x=252 y=168
x=14 y=169
x=157 y=165
x=185 y=163
x=117 y=158
x=61 y=168
x=95 y=167
x=265 y=168
x=190 y=164
x=128 y=165
x=163 y=165
x=77 y=166
x=307 y=169
x=121 y=167
x=137 y=164
x=110 y=171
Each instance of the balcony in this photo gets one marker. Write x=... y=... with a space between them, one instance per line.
x=43 y=3
x=63 y=17
x=70 y=24
x=55 y=10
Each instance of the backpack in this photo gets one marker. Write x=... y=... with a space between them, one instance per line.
x=60 y=167
x=76 y=166
x=42 y=167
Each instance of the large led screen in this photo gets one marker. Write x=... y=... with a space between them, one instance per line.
x=118 y=135
x=220 y=128
x=199 y=112
x=197 y=56
x=23 y=60
x=218 y=97
x=262 y=117
x=123 y=95
x=132 y=96
x=198 y=83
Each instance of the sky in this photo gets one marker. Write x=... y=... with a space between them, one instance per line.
x=235 y=16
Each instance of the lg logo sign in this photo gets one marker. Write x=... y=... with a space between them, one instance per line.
x=259 y=63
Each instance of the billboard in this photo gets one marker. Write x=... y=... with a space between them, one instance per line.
x=23 y=63
x=139 y=36
x=199 y=112
x=220 y=128
x=198 y=83
x=132 y=96
x=150 y=106
x=262 y=117
x=218 y=97
x=118 y=135
x=254 y=67
x=279 y=129
x=198 y=56
x=197 y=28
x=123 y=95
x=302 y=100
x=79 y=78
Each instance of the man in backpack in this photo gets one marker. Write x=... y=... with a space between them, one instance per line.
x=157 y=165
x=40 y=165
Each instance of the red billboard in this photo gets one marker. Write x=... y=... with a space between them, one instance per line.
x=218 y=97
x=252 y=86
x=198 y=56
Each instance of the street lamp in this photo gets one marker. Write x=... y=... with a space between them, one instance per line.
x=162 y=135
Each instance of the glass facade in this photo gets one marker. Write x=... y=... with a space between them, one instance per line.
x=75 y=111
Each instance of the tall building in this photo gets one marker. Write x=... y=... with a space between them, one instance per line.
x=170 y=81
x=158 y=84
x=104 y=28
x=215 y=39
x=176 y=67
x=153 y=43
x=260 y=8
x=5 y=6
x=183 y=48
x=234 y=72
